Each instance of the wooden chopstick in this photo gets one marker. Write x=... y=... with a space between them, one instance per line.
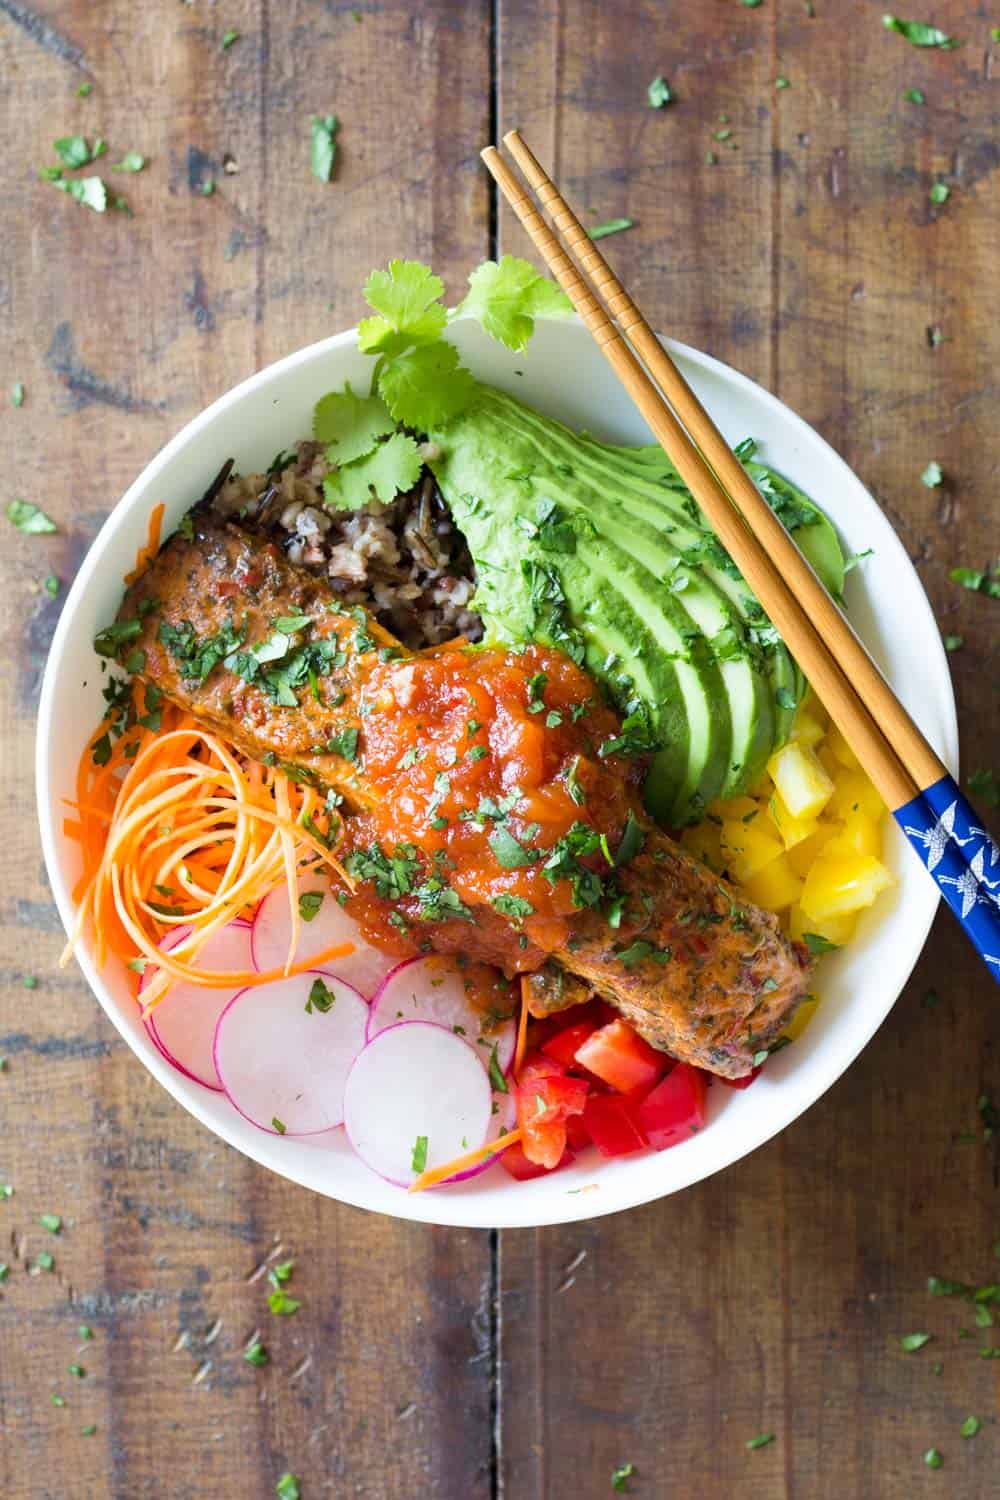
x=910 y=746
x=894 y=782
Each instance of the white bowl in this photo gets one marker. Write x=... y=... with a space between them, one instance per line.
x=562 y=373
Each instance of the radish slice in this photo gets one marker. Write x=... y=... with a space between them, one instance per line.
x=434 y=989
x=502 y=1119
x=280 y=1063
x=365 y=968
x=183 y=1024
x=415 y=1080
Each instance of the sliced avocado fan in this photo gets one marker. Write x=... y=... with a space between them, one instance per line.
x=602 y=551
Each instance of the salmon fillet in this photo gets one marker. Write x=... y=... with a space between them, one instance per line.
x=697 y=970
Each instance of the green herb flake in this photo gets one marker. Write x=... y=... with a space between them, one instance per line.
x=344 y=744
x=85 y=90
x=207 y=188
x=983 y=784
x=659 y=93
x=910 y=1342
x=90 y=191
x=970 y=1427
x=309 y=904
x=817 y=944
x=939 y=192
x=256 y=1354
x=933 y=1459
x=89 y=1430
x=953 y=642
x=418 y=1157
x=919 y=33
x=288 y=1487
x=763 y=1438
x=6 y=1190
x=4 y=1270
x=57 y=1400
x=782 y=83
x=228 y=38
x=914 y=96
x=323 y=148
x=29 y=519
x=29 y=981
x=17 y=393
x=78 y=1371
x=320 y=999
x=281 y=1305
x=51 y=1222
x=621 y=1476
x=610 y=226
x=44 y=1261
x=132 y=161
x=85 y=1332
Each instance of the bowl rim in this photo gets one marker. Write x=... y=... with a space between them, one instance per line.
x=445 y=1210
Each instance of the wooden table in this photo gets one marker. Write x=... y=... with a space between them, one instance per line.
x=787 y=230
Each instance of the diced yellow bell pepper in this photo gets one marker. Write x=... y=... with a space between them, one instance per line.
x=746 y=849
x=792 y=830
x=801 y=856
x=836 y=930
x=859 y=834
x=807 y=729
x=842 y=883
x=799 y=776
x=797 y=1025
x=831 y=765
x=841 y=749
x=733 y=808
x=703 y=841
x=775 y=886
x=854 y=792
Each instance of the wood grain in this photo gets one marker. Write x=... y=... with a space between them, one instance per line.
x=772 y=1298
x=768 y=1299
x=121 y=329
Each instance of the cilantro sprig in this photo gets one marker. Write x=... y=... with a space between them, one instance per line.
x=418 y=382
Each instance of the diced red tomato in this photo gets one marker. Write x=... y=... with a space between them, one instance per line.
x=545 y=1097
x=576 y=1133
x=675 y=1110
x=563 y=1045
x=619 y=1055
x=612 y=1122
x=744 y=1082
x=514 y=1161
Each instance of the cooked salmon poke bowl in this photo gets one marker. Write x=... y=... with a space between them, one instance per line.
x=436 y=800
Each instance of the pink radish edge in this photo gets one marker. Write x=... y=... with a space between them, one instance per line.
x=452 y=1012
x=168 y=944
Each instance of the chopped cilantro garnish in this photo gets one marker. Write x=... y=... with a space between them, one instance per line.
x=17 y=393
x=969 y=1427
x=816 y=943
x=914 y=96
x=132 y=161
x=344 y=743
x=57 y=1400
x=761 y=1440
x=89 y=1430
x=320 y=998
x=610 y=226
x=910 y=1342
x=632 y=841
x=620 y=1478
x=29 y=981
x=640 y=950
x=953 y=642
x=281 y=1304
x=919 y=33
x=659 y=93
x=507 y=296
x=418 y=1159
x=28 y=518
x=78 y=1371
x=512 y=906
x=85 y=90
x=85 y=1331
x=278 y=1125
x=228 y=38
x=983 y=784
x=509 y=853
x=51 y=1222
x=288 y=1487
x=323 y=149
x=497 y=1079
x=933 y=1459
x=256 y=1354
x=309 y=904
x=44 y=1260
x=939 y=192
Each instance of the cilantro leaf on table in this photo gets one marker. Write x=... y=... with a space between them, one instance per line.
x=920 y=33
x=89 y=191
x=613 y=226
x=659 y=92
x=132 y=161
x=406 y=298
x=28 y=518
x=932 y=475
x=323 y=147
x=508 y=295
x=427 y=386
x=74 y=151
x=393 y=467
x=351 y=425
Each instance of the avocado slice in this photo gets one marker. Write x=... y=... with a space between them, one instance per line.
x=602 y=550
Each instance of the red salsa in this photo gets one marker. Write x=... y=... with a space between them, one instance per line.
x=498 y=799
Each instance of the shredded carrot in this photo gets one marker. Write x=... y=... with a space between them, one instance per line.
x=151 y=547
x=522 y=1028
x=176 y=830
x=434 y=1175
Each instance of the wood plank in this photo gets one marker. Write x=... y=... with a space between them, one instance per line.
x=121 y=329
x=772 y=1297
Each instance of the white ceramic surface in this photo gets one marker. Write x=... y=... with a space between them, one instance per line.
x=562 y=373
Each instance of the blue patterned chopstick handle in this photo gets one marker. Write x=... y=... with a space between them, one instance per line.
x=948 y=835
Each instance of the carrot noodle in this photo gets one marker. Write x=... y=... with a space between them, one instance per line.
x=179 y=831
x=522 y=1028
x=434 y=1175
x=151 y=547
